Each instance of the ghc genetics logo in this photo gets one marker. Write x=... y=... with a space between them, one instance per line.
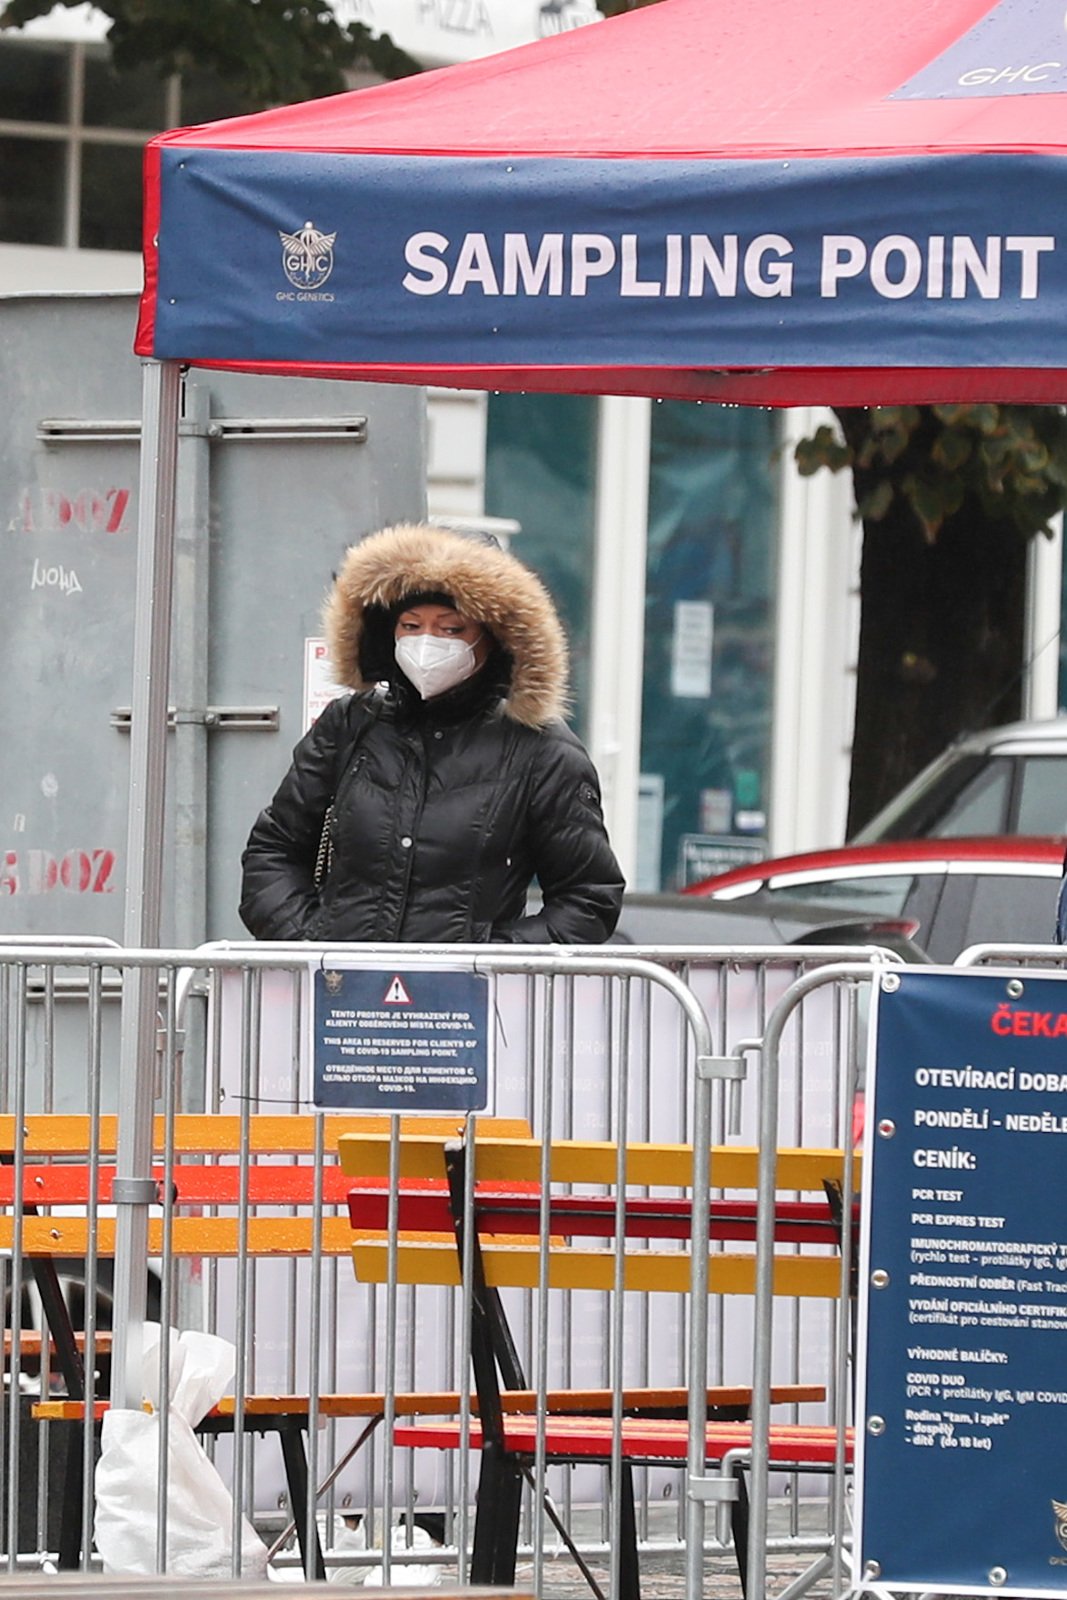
x=307 y=261
x=1059 y=1515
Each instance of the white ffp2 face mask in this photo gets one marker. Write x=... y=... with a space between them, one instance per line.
x=434 y=665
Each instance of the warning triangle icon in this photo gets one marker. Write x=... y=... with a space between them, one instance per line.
x=397 y=995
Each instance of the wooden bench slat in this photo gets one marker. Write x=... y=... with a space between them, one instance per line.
x=591 y=1439
x=447 y=1402
x=434 y=1403
x=429 y=1262
x=210 y=1133
x=584 y=1161
x=268 y=1183
x=31 y=1342
x=519 y=1212
x=190 y=1236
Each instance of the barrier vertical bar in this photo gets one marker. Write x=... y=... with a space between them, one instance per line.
x=88 y=1436
x=251 y=994
x=15 y=1366
x=132 y=1190
x=462 y=1533
x=843 y=1371
x=543 y=1270
x=309 y=1509
x=761 y=1367
x=698 y=1326
x=167 y=1041
x=392 y=1277
x=619 y=1485
x=768 y=1167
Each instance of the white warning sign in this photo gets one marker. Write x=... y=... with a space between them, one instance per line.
x=414 y=1040
x=396 y=994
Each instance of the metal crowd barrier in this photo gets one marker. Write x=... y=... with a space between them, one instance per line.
x=1049 y=957
x=590 y=1045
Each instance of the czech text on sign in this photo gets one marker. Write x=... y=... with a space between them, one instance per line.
x=963 y=1356
x=391 y=1039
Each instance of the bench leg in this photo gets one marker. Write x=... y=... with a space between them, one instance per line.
x=629 y=1566
x=496 y=1520
x=70 y=1512
x=739 y=1527
x=296 y=1476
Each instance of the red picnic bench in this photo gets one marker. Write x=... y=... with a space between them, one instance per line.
x=510 y=1216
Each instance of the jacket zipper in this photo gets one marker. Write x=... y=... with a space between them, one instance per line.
x=417 y=818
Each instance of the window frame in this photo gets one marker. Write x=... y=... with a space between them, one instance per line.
x=75 y=133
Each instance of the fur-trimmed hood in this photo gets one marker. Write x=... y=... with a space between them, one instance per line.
x=487 y=584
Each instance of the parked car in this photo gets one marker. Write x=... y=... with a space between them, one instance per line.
x=651 y=920
x=1011 y=779
x=952 y=892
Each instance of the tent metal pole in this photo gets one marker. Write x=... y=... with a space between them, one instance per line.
x=133 y=1188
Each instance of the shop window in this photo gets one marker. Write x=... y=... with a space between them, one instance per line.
x=113 y=99
x=709 y=639
x=32 y=183
x=110 y=197
x=541 y=470
x=40 y=83
x=34 y=82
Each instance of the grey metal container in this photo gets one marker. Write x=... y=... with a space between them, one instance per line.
x=276 y=476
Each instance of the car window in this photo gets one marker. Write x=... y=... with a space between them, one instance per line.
x=980 y=807
x=1012 y=910
x=1042 y=802
x=882 y=895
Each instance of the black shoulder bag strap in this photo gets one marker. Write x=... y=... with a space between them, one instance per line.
x=324 y=859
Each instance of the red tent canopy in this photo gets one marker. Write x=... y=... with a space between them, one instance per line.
x=845 y=201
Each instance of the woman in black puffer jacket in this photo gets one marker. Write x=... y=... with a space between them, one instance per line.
x=452 y=779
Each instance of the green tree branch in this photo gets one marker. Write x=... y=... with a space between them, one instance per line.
x=271 y=52
x=1011 y=461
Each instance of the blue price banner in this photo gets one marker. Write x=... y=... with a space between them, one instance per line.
x=962 y=1411
x=372 y=258
x=391 y=1039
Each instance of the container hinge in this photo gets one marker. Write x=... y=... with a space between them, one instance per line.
x=88 y=430
x=220 y=430
x=106 y=430
x=235 y=429
x=250 y=719
x=731 y=1067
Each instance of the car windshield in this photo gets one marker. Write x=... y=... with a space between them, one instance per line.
x=979 y=808
x=975 y=796
x=925 y=805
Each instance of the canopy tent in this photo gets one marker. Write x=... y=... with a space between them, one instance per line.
x=842 y=202
x=838 y=202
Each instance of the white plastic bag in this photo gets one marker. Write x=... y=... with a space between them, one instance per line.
x=199 y=1505
x=348 y=1532
x=406 y=1575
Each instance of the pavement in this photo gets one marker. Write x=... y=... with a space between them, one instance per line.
x=663 y=1569
x=661 y=1557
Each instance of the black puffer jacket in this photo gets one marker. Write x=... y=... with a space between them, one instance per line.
x=445 y=809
